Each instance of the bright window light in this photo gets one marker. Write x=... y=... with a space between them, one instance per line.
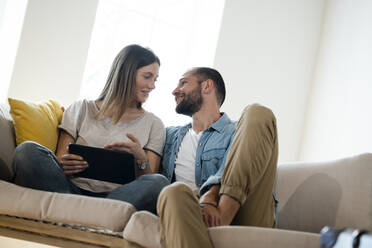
x=11 y=21
x=182 y=33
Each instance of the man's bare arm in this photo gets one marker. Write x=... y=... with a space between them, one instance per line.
x=211 y=196
x=226 y=206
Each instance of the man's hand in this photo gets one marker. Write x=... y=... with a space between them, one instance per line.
x=225 y=207
x=208 y=203
x=211 y=215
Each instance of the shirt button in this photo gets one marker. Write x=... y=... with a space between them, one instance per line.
x=197 y=164
x=199 y=184
x=200 y=144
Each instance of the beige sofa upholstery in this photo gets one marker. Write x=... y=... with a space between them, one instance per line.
x=7 y=142
x=64 y=208
x=311 y=195
x=335 y=193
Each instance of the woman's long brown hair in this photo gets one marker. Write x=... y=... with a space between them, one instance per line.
x=117 y=94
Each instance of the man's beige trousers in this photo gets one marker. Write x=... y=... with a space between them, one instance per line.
x=248 y=177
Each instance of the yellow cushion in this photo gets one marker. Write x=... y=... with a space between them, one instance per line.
x=36 y=122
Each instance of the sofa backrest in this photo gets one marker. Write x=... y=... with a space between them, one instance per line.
x=335 y=193
x=7 y=143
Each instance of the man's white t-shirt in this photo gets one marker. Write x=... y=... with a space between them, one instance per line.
x=185 y=161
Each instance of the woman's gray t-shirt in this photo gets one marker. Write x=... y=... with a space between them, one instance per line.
x=81 y=122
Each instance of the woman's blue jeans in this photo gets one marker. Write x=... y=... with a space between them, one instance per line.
x=38 y=168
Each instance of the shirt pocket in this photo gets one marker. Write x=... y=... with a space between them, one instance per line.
x=211 y=162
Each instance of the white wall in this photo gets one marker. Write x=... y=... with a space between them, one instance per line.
x=276 y=53
x=339 y=120
x=53 y=50
x=266 y=54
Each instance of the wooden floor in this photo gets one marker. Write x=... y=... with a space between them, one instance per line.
x=57 y=235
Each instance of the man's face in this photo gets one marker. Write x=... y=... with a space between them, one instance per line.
x=188 y=95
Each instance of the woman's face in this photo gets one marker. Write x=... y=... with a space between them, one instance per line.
x=145 y=81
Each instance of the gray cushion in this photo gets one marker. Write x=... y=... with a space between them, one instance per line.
x=7 y=143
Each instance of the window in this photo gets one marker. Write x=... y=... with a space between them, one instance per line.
x=11 y=20
x=182 y=33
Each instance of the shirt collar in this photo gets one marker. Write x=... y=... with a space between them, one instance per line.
x=217 y=125
x=221 y=122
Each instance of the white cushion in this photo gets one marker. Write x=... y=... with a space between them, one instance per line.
x=64 y=208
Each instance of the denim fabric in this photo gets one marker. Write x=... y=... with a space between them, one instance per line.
x=38 y=168
x=211 y=153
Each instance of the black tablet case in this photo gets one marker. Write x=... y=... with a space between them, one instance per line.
x=105 y=165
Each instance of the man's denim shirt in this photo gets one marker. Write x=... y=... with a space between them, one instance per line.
x=211 y=153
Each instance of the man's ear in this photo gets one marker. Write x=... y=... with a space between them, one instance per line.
x=208 y=86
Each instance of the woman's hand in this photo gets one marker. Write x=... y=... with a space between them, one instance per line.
x=72 y=164
x=133 y=147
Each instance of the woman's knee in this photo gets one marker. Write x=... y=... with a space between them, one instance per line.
x=156 y=180
x=24 y=153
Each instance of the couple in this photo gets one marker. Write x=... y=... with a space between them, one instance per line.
x=219 y=172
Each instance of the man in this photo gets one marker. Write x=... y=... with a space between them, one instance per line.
x=230 y=166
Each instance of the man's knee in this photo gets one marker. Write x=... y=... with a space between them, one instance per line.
x=258 y=113
x=173 y=193
x=259 y=119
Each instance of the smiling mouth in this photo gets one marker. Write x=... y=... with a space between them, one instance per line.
x=178 y=99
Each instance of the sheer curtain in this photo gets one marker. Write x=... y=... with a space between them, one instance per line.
x=182 y=33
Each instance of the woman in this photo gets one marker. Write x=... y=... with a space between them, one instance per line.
x=116 y=120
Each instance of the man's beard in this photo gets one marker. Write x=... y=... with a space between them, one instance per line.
x=191 y=103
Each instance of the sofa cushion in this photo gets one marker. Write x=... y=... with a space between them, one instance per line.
x=144 y=229
x=258 y=237
x=36 y=122
x=333 y=193
x=7 y=143
x=64 y=208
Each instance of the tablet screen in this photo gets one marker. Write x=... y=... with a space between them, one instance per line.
x=105 y=165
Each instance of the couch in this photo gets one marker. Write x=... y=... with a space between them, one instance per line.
x=311 y=195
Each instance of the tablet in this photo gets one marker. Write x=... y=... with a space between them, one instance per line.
x=105 y=165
